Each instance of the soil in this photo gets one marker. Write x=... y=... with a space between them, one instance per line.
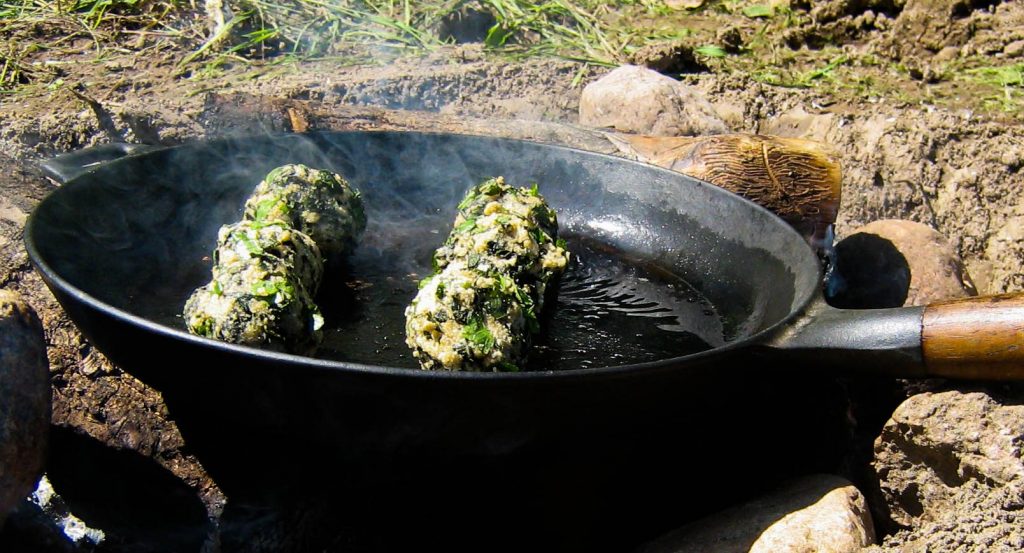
x=930 y=153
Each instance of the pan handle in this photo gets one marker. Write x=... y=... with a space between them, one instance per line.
x=72 y=164
x=981 y=337
x=971 y=338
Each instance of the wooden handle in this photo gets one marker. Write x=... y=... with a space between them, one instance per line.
x=981 y=337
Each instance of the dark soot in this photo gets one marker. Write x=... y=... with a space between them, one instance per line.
x=608 y=311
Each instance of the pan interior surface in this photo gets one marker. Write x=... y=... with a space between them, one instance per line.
x=664 y=266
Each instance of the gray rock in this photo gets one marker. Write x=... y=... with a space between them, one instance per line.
x=24 y=400
x=638 y=100
x=943 y=455
x=818 y=513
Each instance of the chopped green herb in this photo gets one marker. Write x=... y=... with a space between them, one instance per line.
x=204 y=327
x=216 y=289
x=249 y=244
x=269 y=205
x=466 y=226
x=507 y=367
x=470 y=196
x=424 y=282
x=495 y=305
x=276 y=173
x=275 y=287
x=560 y=243
x=479 y=335
x=534 y=190
x=539 y=235
x=491 y=187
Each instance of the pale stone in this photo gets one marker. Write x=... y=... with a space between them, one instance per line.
x=939 y=449
x=799 y=123
x=818 y=513
x=638 y=100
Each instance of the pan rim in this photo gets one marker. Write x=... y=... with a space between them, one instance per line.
x=273 y=358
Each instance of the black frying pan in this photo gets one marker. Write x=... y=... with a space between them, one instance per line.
x=662 y=353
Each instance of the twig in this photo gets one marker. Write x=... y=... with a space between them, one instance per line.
x=105 y=119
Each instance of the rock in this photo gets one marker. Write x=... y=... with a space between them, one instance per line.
x=947 y=453
x=949 y=53
x=24 y=400
x=819 y=513
x=732 y=113
x=1014 y=49
x=893 y=262
x=638 y=100
x=799 y=123
x=934 y=24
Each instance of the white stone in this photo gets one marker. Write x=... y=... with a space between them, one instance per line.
x=818 y=513
x=638 y=100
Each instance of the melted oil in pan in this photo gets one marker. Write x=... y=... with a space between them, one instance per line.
x=608 y=311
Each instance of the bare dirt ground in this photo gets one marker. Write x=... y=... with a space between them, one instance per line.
x=928 y=152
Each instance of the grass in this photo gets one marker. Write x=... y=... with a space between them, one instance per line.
x=31 y=27
x=316 y=28
x=1008 y=80
x=260 y=35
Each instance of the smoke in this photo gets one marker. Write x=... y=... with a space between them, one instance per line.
x=153 y=221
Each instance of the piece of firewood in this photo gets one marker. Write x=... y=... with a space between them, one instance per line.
x=800 y=180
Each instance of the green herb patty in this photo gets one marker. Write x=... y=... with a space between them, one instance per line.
x=479 y=309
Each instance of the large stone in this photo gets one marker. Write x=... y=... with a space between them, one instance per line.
x=638 y=100
x=24 y=400
x=892 y=262
x=819 y=513
x=938 y=445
